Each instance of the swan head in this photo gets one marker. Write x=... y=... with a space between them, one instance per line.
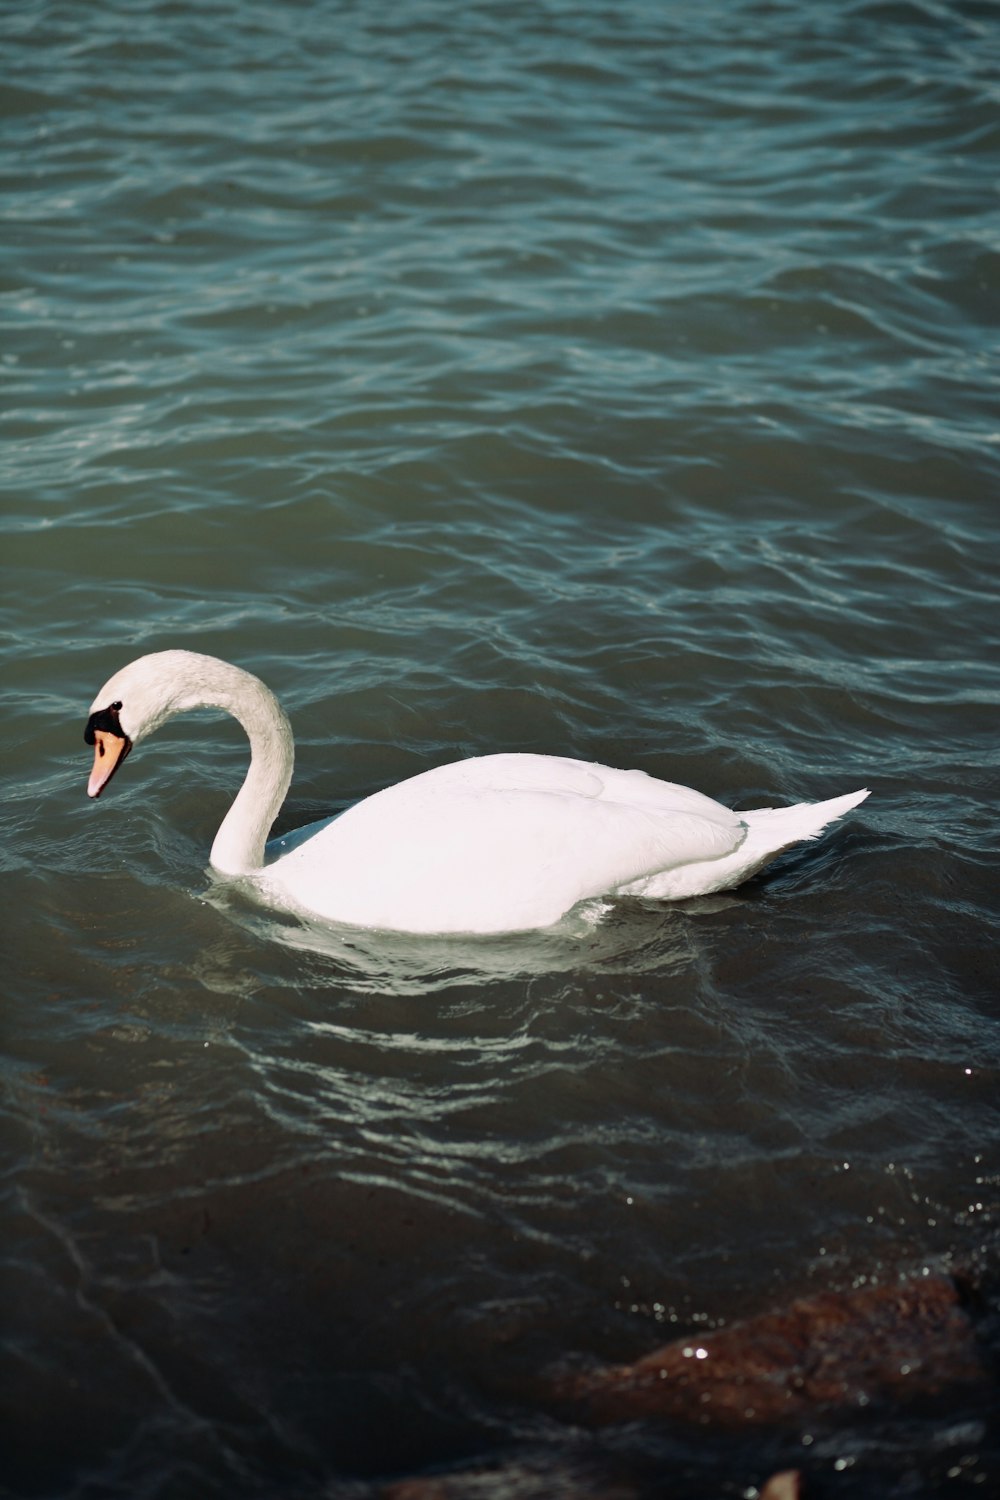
x=111 y=745
x=152 y=689
x=137 y=700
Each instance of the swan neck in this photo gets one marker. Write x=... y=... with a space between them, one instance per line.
x=238 y=847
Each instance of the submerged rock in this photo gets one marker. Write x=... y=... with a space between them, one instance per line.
x=837 y=1349
x=516 y=1480
x=835 y=1352
x=784 y=1486
x=524 y=1481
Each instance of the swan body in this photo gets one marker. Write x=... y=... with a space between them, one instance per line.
x=497 y=843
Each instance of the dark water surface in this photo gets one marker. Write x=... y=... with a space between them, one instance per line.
x=613 y=379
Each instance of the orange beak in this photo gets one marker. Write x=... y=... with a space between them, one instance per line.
x=109 y=752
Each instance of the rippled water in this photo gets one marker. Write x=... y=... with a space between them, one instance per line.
x=612 y=379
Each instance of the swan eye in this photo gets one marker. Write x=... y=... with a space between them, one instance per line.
x=106 y=719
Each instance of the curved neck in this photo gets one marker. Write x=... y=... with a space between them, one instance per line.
x=238 y=847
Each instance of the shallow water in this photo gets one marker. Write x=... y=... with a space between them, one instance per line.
x=617 y=380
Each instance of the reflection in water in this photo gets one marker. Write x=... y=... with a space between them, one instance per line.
x=623 y=937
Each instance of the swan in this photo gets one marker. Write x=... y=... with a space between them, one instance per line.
x=496 y=843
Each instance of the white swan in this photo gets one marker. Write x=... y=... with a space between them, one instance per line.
x=500 y=843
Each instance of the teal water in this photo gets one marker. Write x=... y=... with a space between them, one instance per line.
x=611 y=379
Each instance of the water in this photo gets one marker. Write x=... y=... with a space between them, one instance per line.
x=617 y=380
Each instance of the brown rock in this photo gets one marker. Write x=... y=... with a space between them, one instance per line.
x=837 y=1349
x=784 y=1486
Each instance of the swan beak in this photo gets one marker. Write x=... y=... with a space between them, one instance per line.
x=109 y=752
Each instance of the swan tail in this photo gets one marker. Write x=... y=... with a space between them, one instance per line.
x=769 y=831
x=772 y=829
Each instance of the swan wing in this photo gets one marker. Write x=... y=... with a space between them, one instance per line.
x=499 y=844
